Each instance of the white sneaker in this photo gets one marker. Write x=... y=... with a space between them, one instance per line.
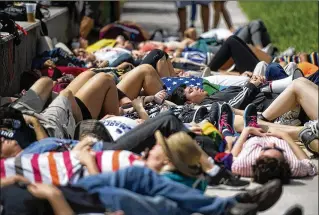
x=290 y=118
x=312 y=124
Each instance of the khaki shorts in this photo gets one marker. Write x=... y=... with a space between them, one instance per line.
x=59 y=120
x=30 y=101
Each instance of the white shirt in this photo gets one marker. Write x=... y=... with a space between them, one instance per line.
x=119 y=125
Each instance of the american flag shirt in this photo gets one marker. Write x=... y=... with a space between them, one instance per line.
x=242 y=165
x=61 y=168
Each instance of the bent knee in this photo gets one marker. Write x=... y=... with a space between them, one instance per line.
x=66 y=93
x=146 y=69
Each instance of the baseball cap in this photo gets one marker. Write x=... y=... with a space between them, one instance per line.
x=14 y=127
x=93 y=128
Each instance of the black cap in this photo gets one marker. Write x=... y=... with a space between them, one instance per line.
x=13 y=126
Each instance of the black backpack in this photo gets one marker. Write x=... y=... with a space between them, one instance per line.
x=8 y=25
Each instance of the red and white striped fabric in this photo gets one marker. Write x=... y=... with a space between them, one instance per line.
x=242 y=165
x=59 y=168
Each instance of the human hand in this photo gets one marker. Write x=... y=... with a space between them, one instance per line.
x=12 y=180
x=196 y=129
x=247 y=74
x=257 y=80
x=30 y=119
x=276 y=133
x=138 y=103
x=256 y=131
x=43 y=191
x=160 y=96
x=85 y=156
x=87 y=142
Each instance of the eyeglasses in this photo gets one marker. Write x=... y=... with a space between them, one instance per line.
x=275 y=147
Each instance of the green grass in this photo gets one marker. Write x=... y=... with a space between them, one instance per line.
x=289 y=23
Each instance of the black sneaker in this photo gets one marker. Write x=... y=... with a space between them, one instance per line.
x=226 y=118
x=264 y=196
x=200 y=114
x=242 y=209
x=226 y=180
x=214 y=114
x=250 y=116
x=295 y=210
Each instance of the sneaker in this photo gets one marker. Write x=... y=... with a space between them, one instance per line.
x=309 y=133
x=288 y=52
x=250 y=116
x=226 y=118
x=200 y=114
x=226 y=180
x=295 y=210
x=214 y=114
x=264 y=196
x=290 y=118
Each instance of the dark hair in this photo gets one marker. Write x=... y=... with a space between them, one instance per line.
x=178 y=95
x=267 y=168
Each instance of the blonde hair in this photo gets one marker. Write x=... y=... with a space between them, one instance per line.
x=183 y=152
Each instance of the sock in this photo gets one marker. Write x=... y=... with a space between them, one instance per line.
x=227 y=133
x=213 y=171
x=261 y=116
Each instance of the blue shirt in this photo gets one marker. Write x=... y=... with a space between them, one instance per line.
x=54 y=144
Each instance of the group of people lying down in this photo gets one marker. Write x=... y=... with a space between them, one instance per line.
x=150 y=138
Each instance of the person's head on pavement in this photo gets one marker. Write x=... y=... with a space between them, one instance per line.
x=15 y=133
x=187 y=94
x=179 y=152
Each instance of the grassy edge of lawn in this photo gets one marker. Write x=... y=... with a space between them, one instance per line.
x=289 y=23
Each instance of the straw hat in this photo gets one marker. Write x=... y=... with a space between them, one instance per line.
x=182 y=151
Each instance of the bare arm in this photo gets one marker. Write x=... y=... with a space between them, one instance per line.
x=138 y=106
x=240 y=142
x=300 y=154
x=59 y=204
x=38 y=129
x=244 y=136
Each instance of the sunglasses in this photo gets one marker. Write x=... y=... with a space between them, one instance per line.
x=10 y=123
x=275 y=147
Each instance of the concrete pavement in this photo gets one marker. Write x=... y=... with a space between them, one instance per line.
x=154 y=15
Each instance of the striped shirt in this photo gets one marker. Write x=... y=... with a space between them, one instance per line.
x=242 y=165
x=60 y=168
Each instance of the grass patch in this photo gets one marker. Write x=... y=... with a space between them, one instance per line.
x=289 y=23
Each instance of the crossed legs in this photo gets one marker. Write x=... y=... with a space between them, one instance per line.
x=300 y=91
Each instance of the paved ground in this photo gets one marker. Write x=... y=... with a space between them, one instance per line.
x=153 y=15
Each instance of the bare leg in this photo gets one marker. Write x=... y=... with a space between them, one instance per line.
x=171 y=68
x=162 y=67
x=43 y=88
x=77 y=114
x=217 y=11
x=181 y=12
x=300 y=91
x=100 y=95
x=143 y=76
x=205 y=17
x=227 y=16
x=79 y=81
